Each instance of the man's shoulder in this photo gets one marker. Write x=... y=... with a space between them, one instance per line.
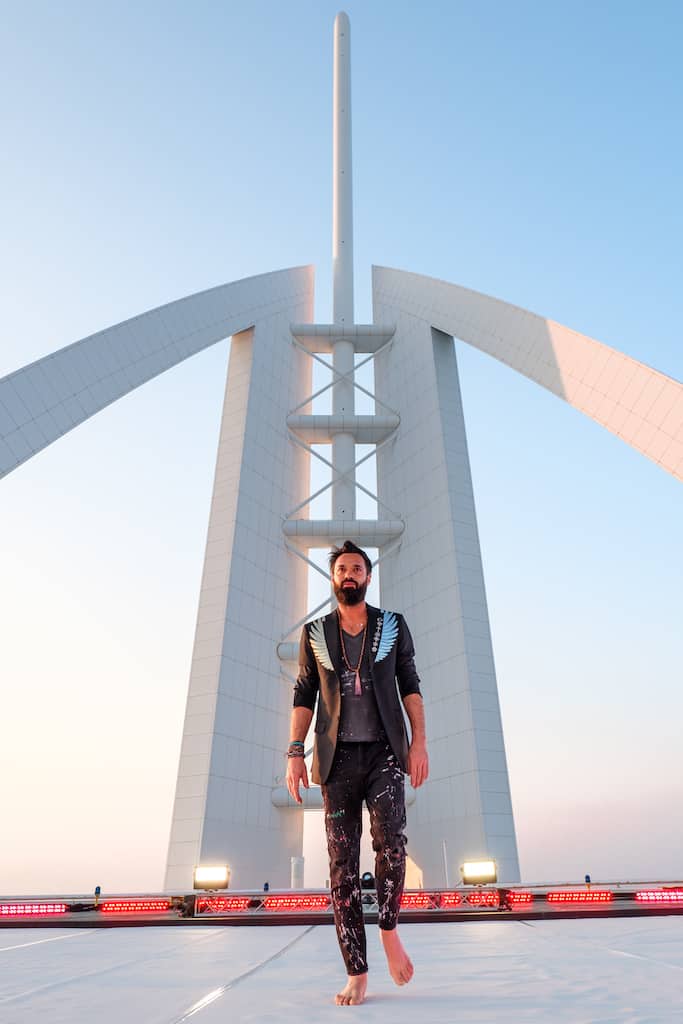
x=377 y=613
x=387 y=627
x=320 y=622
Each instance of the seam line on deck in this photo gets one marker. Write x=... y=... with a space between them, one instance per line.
x=38 y=942
x=216 y=993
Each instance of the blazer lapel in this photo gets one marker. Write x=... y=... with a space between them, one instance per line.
x=331 y=628
x=374 y=631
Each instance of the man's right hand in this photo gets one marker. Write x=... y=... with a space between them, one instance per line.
x=296 y=773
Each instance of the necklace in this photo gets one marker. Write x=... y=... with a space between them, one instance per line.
x=357 y=687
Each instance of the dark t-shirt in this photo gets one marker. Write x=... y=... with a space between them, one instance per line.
x=360 y=721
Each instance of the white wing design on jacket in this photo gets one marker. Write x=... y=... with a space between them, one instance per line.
x=389 y=634
x=316 y=634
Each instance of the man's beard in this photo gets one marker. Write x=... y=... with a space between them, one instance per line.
x=350 y=595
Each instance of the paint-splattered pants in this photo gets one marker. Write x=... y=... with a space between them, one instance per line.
x=370 y=772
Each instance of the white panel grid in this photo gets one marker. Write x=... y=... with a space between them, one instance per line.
x=436 y=579
x=249 y=588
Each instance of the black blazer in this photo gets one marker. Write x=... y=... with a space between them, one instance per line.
x=391 y=659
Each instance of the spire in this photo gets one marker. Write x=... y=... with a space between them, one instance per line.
x=342 y=191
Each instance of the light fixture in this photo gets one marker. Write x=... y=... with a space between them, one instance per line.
x=479 y=872
x=135 y=906
x=211 y=877
x=484 y=898
x=32 y=909
x=657 y=896
x=418 y=901
x=449 y=900
x=580 y=896
x=221 y=904
x=516 y=899
x=313 y=901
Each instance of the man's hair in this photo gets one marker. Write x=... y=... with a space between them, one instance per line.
x=349 y=548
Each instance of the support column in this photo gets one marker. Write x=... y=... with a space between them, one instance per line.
x=237 y=717
x=436 y=579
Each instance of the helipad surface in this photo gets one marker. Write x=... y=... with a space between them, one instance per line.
x=622 y=971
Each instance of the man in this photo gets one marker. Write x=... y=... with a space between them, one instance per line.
x=351 y=661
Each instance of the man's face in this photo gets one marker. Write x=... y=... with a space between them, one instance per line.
x=350 y=579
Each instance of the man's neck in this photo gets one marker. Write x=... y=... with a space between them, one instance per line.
x=353 y=616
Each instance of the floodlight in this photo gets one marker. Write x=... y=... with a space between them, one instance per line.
x=480 y=872
x=211 y=877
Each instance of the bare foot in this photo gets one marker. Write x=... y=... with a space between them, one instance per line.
x=398 y=961
x=354 y=992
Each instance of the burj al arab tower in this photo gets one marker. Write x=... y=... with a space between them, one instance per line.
x=231 y=806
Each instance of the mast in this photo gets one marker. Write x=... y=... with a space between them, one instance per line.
x=343 y=444
x=342 y=189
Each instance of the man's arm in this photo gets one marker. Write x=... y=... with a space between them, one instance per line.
x=418 y=761
x=409 y=688
x=305 y=693
x=296 y=766
x=406 y=673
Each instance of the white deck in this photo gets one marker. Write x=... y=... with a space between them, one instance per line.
x=621 y=971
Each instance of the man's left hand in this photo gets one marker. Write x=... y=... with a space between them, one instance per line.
x=418 y=764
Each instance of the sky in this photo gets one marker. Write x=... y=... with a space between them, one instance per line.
x=528 y=151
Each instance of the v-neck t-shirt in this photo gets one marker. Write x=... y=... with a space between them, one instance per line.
x=359 y=721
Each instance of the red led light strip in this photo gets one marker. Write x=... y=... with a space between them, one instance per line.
x=417 y=901
x=296 y=902
x=450 y=899
x=656 y=896
x=483 y=898
x=520 y=899
x=135 y=906
x=220 y=904
x=587 y=896
x=31 y=909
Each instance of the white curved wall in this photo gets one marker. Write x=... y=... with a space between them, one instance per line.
x=640 y=405
x=44 y=400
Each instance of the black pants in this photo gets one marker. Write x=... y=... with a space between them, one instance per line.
x=370 y=772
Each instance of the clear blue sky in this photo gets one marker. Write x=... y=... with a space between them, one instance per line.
x=531 y=151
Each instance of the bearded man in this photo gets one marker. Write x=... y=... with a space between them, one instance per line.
x=351 y=661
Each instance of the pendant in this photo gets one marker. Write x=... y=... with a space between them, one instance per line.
x=358 y=688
